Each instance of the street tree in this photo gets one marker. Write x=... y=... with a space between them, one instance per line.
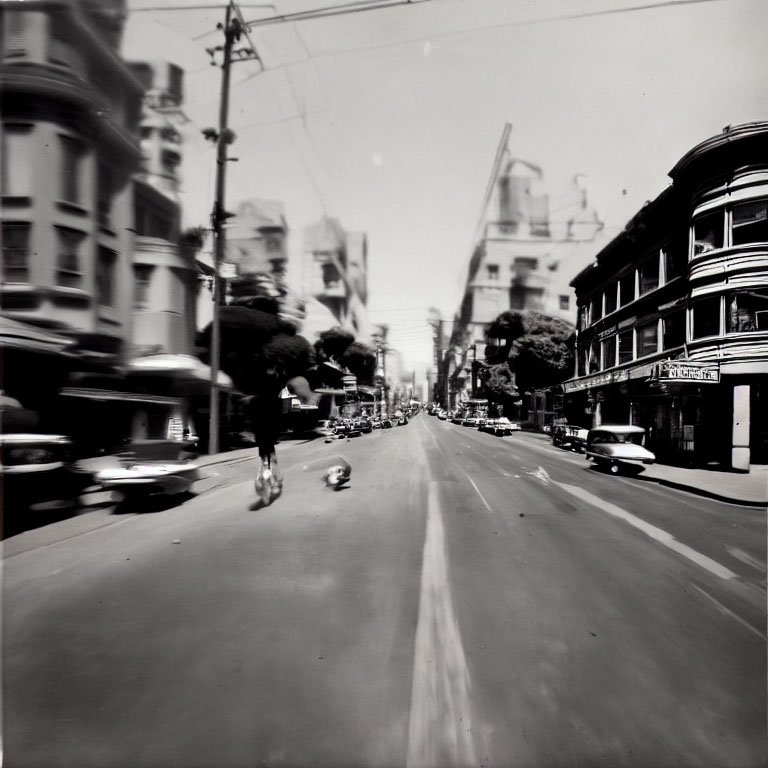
x=538 y=348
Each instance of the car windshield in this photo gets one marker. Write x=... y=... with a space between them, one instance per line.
x=636 y=438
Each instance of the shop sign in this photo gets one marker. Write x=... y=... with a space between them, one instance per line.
x=700 y=373
x=596 y=380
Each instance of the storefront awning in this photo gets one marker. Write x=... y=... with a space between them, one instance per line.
x=178 y=367
x=30 y=338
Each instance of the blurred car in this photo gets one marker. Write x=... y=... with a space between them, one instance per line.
x=442 y=415
x=325 y=428
x=618 y=447
x=500 y=427
x=37 y=473
x=570 y=436
x=149 y=468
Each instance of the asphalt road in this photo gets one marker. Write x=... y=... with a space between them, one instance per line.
x=469 y=600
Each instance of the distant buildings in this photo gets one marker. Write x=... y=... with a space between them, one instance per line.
x=530 y=245
x=673 y=313
x=335 y=278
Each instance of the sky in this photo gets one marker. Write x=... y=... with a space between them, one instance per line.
x=389 y=119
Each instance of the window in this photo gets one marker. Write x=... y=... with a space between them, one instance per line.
x=627 y=289
x=597 y=307
x=673 y=330
x=525 y=262
x=609 y=352
x=583 y=317
x=706 y=317
x=565 y=302
x=750 y=223
x=68 y=272
x=142 y=280
x=708 y=233
x=649 y=275
x=72 y=153
x=104 y=195
x=747 y=311
x=626 y=346
x=674 y=261
x=16 y=176
x=16 y=34
x=15 y=252
x=105 y=277
x=648 y=339
x=593 y=362
x=610 y=298
x=493 y=271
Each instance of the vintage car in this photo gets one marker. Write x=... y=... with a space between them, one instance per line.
x=570 y=436
x=618 y=447
x=149 y=467
x=37 y=473
x=501 y=427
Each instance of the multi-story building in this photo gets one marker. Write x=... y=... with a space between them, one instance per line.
x=673 y=313
x=335 y=277
x=70 y=144
x=165 y=280
x=530 y=245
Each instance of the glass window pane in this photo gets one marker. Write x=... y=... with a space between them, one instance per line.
x=626 y=351
x=597 y=307
x=674 y=329
x=675 y=260
x=750 y=223
x=105 y=277
x=706 y=317
x=627 y=288
x=610 y=298
x=68 y=271
x=609 y=352
x=647 y=339
x=649 y=275
x=747 y=311
x=708 y=233
x=15 y=252
x=16 y=176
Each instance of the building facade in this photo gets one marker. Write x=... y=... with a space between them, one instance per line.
x=673 y=314
x=70 y=145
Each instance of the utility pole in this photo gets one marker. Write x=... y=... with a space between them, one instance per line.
x=233 y=29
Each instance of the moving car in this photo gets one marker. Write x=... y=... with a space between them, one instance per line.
x=500 y=427
x=618 y=447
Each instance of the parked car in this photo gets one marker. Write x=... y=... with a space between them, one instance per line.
x=618 y=447
x=325 y=428
x=38 y=473
x=442 y=415
x=570 y=436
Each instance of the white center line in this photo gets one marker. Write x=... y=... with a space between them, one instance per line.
x=657 y=534
x=440 y=724
x=728 y=612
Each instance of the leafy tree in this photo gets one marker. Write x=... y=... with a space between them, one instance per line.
x=360 y=359
x=538 y=348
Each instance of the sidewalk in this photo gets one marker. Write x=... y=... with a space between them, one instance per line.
x=750 y=489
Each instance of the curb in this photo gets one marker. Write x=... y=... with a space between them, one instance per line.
x=702 y=492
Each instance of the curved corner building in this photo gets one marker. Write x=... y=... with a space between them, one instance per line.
x=673 y=314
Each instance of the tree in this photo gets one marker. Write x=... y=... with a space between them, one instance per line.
x=538 y=348
x=499 y=384
x=360 y=359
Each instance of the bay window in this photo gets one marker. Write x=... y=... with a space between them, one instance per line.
x=708 y=233
x=747 y=311
x=15 y=251
x=749 y=222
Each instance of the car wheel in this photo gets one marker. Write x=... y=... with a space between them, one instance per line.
x=614 y=468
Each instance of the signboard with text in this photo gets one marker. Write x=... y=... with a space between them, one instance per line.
x=682 y=371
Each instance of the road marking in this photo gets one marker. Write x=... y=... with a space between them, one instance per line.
x=477 y=490
x=541 y=474
x=730 y=613
x=657 y=534
x=746 y=558
x=440 y=724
